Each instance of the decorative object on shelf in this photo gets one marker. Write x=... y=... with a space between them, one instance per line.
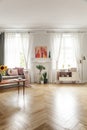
x=69 y=67
x=83 y=58
x=45 y=77
x=63 y=66
x=40 y=68
x=49 y=54
x=41 y=52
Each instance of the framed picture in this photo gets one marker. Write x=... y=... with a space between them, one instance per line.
x=37 y=52
x=41 y=52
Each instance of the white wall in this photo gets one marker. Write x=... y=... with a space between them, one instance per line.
x=43 y=39
x=84 y=53
x=40 y=39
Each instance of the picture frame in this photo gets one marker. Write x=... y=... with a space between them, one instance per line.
x=41 y=52
x=37 y=52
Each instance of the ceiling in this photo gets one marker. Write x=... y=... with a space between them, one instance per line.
x=51 y=14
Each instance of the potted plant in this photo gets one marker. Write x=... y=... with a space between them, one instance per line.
x=45 y=77
x=40 y=68
x=41 y=80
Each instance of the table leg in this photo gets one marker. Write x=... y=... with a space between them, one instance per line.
x=18 y=87
x=23 y=87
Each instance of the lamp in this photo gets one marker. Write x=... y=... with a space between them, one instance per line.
x=83 y=58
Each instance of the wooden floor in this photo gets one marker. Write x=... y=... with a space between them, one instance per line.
x=44 y=107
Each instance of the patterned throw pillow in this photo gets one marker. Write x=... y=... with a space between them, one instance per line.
x=12 y=72
x=20 y=70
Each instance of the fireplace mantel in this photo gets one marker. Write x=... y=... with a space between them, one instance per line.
x=47 y=63
x=42 y=60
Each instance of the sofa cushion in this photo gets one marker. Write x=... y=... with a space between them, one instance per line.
x=20 y=70
x=10 y=77
x=12 y=72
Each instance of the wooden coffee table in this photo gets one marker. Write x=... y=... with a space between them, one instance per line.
x=9 y=81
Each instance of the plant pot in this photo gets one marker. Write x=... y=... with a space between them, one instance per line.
x=42 y=82
x=45 y=81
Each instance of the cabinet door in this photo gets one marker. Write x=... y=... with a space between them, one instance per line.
x=75 y=76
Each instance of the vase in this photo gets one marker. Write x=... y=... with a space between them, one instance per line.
x=49 y=54
x=0 y=77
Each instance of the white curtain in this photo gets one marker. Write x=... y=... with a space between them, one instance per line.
x=67 y=55
x=65 y=52
x=77 y=40
x=17 y=49
x=25 y=48
x=56 y=42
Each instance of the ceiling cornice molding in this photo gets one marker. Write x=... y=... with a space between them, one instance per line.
x=40 y=30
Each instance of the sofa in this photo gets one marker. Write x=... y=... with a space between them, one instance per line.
x=13 y=73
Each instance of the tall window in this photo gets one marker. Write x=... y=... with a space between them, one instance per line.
x=67 y=53
x=16 y=49
x=64 y=52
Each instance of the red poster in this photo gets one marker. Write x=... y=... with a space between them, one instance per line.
x=41 y=52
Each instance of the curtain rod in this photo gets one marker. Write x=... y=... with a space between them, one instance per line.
x=31 y=32
x=43 y=31
x=66 y=31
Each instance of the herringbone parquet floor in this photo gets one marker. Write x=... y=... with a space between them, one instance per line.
x=44 y=107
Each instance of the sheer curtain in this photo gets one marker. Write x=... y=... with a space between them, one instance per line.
x=56 y=42
x=17 y=49
x=25 y=48
x=67 y=55
x=77 y=40
x=66 y=52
